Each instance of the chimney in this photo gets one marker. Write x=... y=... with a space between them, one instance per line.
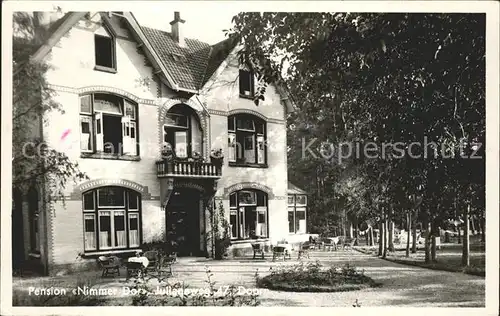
x=177 y=33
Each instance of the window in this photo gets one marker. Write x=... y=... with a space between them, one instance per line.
x=108 y=124
x=248 y=217
x=246 y=140
x=246 y=83
x=297 y=214
x=104 y=45
x=182 y=131
x=111 y=219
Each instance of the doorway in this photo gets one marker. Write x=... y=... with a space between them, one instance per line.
x=183 y=221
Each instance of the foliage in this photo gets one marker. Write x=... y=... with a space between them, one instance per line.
x=220 y=232
x=311 y=277
x=213 y=296
x=35 y=162
x=382 y=78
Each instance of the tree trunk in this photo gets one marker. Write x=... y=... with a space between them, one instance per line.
x=459 y=238
x=391 y=235
x=427 y=240
x=381 y=234
x=371 y=236
x=465 y=247
x=408 y=228
x=472 y=226
x=433 y=242
x=414 y=237
x=385 y=236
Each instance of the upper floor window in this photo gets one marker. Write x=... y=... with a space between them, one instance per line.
x=111 y=219
x=246 y=82
x=104 y=45
x=182 y=131
x=246 y=140
x=108 y=124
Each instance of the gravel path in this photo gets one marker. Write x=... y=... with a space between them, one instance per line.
x=402 y=285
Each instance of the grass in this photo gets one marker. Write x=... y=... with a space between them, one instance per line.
x=449 y=257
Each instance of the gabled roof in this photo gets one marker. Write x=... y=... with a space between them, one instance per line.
x=185 y=68
x=186 y=65
x=293 y=189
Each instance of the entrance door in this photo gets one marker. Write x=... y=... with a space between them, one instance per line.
x=183 y=221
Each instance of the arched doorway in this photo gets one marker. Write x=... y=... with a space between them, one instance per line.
x=17 y=230
x=183 y=221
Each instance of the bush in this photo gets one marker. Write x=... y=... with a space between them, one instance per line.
x=312 y=278
x=211 y=296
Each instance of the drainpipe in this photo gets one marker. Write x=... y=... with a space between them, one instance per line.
x=44 y=251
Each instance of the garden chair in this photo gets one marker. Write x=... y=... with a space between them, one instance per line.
x=257 y=249
x=304 y=251
x=135 y=269
x=328 y=245
x=153 y=259
x=165 y=265
x=109 y=265
x=279 y=252
x=349 y=245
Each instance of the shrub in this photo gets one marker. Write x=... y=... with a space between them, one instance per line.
x=312 y=278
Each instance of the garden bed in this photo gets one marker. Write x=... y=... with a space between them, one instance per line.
x=312 y=278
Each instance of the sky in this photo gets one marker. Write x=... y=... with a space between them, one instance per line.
x=199 y=24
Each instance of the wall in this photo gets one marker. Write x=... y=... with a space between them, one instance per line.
x=222 y=99
x=73 y=60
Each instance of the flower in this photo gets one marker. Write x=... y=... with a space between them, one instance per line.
x=217 y=153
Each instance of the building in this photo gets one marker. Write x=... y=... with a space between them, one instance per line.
x=128 y=91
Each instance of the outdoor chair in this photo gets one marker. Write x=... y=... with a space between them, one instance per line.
x=165 y=265
x=279 y=252
x=349 y=245
x=328 y=245
x=304 y=251
x=135 y=269
x=257 y=249
x=153 y=259
x=109 y=265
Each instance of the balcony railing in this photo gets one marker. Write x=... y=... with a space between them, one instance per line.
x=188 y=169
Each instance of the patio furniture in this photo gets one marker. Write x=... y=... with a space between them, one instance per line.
x=109 y=265
x=350 y=244
x=153 y=260
x=328 y=245
x=258 y=249
x=135 y=269
x=304 y=251
x=165 y=265
x=279 y=252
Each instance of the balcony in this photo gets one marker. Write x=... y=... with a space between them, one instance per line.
x=188 y=169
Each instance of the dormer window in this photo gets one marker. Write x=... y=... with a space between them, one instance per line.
x=246 y=81
x=104 y=45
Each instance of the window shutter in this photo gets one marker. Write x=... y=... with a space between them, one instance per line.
x=86 y=104
x=99 y=132
x=260 y=149
x=232 y=146
x=126 y=135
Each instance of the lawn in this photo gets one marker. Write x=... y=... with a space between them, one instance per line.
x=449 y=257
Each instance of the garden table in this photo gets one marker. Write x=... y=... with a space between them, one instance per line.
x=143 y=260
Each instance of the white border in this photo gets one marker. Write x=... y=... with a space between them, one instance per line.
x=491 y=8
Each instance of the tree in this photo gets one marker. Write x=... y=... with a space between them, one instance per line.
x=34 y=162
x=382 y=78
